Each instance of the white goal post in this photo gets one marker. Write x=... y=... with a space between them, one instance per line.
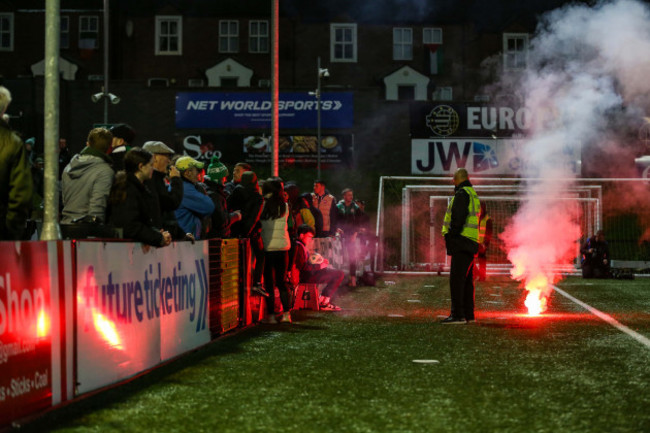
x=404 y=216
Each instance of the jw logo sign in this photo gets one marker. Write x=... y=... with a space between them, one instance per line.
x=444 y=156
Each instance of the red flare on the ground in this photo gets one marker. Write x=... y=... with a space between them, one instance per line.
x=537 y=289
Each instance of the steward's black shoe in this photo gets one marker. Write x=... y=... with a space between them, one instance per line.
x=451 y=320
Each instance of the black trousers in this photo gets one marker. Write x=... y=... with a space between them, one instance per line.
x=461 y=285
x=275 y=270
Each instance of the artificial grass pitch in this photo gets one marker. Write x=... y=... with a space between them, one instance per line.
x=355 y=370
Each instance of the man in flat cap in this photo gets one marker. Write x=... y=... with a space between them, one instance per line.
x=169 y=198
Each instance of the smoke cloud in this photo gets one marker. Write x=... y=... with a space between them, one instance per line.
x=587 y=75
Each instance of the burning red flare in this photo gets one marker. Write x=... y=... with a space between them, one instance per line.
x=42 y=324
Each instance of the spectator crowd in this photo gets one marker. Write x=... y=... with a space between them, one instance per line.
x=148 y=194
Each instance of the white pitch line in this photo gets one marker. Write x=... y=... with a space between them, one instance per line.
x=607 y=318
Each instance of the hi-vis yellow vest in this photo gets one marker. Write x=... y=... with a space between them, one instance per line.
x=482 y=228
x=470 y=228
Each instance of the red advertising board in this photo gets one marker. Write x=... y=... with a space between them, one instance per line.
x=25 y=330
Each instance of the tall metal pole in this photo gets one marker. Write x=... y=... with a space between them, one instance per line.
x=106 y=98
x=275 y=89
x=51 y=230
x=318 y=73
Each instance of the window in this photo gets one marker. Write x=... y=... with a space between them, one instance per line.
x=64 y=40
x=431 y=35
x=228 y=36
x=343 y=42
x=402 y=43
x=443 y=94
x=258 y=37
x=88 y=32
x=6 y=32
x=169 y=35
x=515 y=50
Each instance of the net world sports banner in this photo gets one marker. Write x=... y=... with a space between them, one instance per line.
x=25 y=330
x=481 y=156
x=244 y=110
x=137 y=306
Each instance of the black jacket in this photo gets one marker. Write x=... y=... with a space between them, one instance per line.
x=246 y=199
x=221 y=218
x=168 y=202
x=457 y=244
x=137 y=213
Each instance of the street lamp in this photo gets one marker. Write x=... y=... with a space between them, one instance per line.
x=321 y=73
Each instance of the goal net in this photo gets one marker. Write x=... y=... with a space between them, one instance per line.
x=411 y=210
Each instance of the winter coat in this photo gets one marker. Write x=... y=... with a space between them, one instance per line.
x=195 y=206
x=348 y=218
x=326 y=204
x=302 y=264
x=221 y=217
x=136 y=214
x=275 y=233
x=246 y=199
x=86 y=183
x=168 y=200
x=456 y=243
x=15 y=185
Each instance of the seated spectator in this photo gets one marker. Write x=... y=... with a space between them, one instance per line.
x=133 y=205
x=222 y=218
x=313 y=269
x=276 y=243
x=196 y=205
x=86 y=181
x=595 y=257
x=169 y=197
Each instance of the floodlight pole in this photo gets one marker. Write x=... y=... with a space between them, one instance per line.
x=318 y=71
x=51 y=230
x=105 y=89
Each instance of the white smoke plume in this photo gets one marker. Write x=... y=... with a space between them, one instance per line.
x=588 y=71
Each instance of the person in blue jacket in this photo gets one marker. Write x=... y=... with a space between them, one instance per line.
x=196 y=205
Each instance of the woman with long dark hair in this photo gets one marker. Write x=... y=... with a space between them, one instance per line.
x=133 y=205
x=275 y=238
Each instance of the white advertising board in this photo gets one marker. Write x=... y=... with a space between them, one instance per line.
x=481 y=156
x=136 y=306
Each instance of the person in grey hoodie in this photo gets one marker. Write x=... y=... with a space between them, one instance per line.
x=86 y=181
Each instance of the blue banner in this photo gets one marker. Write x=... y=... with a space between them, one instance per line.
x=219 y=110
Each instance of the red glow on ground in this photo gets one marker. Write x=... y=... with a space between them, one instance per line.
x=497 y=316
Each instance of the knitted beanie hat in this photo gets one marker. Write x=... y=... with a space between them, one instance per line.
x=216 y=170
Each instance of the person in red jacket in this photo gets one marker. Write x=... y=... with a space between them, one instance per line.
x=313 y=269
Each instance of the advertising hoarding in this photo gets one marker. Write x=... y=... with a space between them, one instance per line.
x=479 y=156
x=244 y=110
x=294 y=150
x=137 y=306
x=25 y=330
